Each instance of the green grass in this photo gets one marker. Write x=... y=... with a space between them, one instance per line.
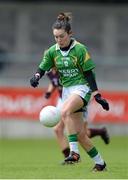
x=40 y=158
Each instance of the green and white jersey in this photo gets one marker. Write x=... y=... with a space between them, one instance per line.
x=70 y=64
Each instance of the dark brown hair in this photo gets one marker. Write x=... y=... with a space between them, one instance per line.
x=63 y=22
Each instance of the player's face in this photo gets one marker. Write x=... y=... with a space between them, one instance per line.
x=62 y=37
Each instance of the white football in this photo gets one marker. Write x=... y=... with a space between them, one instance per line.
x=49 y=116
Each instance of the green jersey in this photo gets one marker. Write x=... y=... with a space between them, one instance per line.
x=70 y=64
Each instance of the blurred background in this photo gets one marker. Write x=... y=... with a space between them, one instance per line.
x=25 y=32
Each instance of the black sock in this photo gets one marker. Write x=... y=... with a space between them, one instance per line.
x=95 y=132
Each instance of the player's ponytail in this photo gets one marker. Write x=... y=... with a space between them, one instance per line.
x=63 y=22
x=64 y=17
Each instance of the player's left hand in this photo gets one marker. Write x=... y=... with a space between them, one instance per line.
x=102 y=101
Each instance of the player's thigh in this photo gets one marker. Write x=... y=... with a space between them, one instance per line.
x=73 y=103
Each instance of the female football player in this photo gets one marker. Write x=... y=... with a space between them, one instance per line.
x=76 y=74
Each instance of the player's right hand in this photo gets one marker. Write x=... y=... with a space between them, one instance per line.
x=34 y=81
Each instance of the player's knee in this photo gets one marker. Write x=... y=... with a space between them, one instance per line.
x=65 y=113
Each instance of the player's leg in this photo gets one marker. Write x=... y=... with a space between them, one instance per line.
x=61 y=139
x=74 y=126
x=76 y=131
x=91 y=150
x=59 y=132
x=73 y=123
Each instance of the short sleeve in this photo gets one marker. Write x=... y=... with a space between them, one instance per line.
x=85 y=60
x=47 y=61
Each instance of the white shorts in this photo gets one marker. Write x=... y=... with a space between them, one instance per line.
x=81 y=90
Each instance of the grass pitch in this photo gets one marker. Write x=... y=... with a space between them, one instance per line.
x=40 y=159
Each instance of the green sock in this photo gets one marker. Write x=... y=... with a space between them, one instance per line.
x=72 y=138
x=93 y=152
x=73 y=143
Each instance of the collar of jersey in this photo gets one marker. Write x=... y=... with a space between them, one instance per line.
x=73 y=44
